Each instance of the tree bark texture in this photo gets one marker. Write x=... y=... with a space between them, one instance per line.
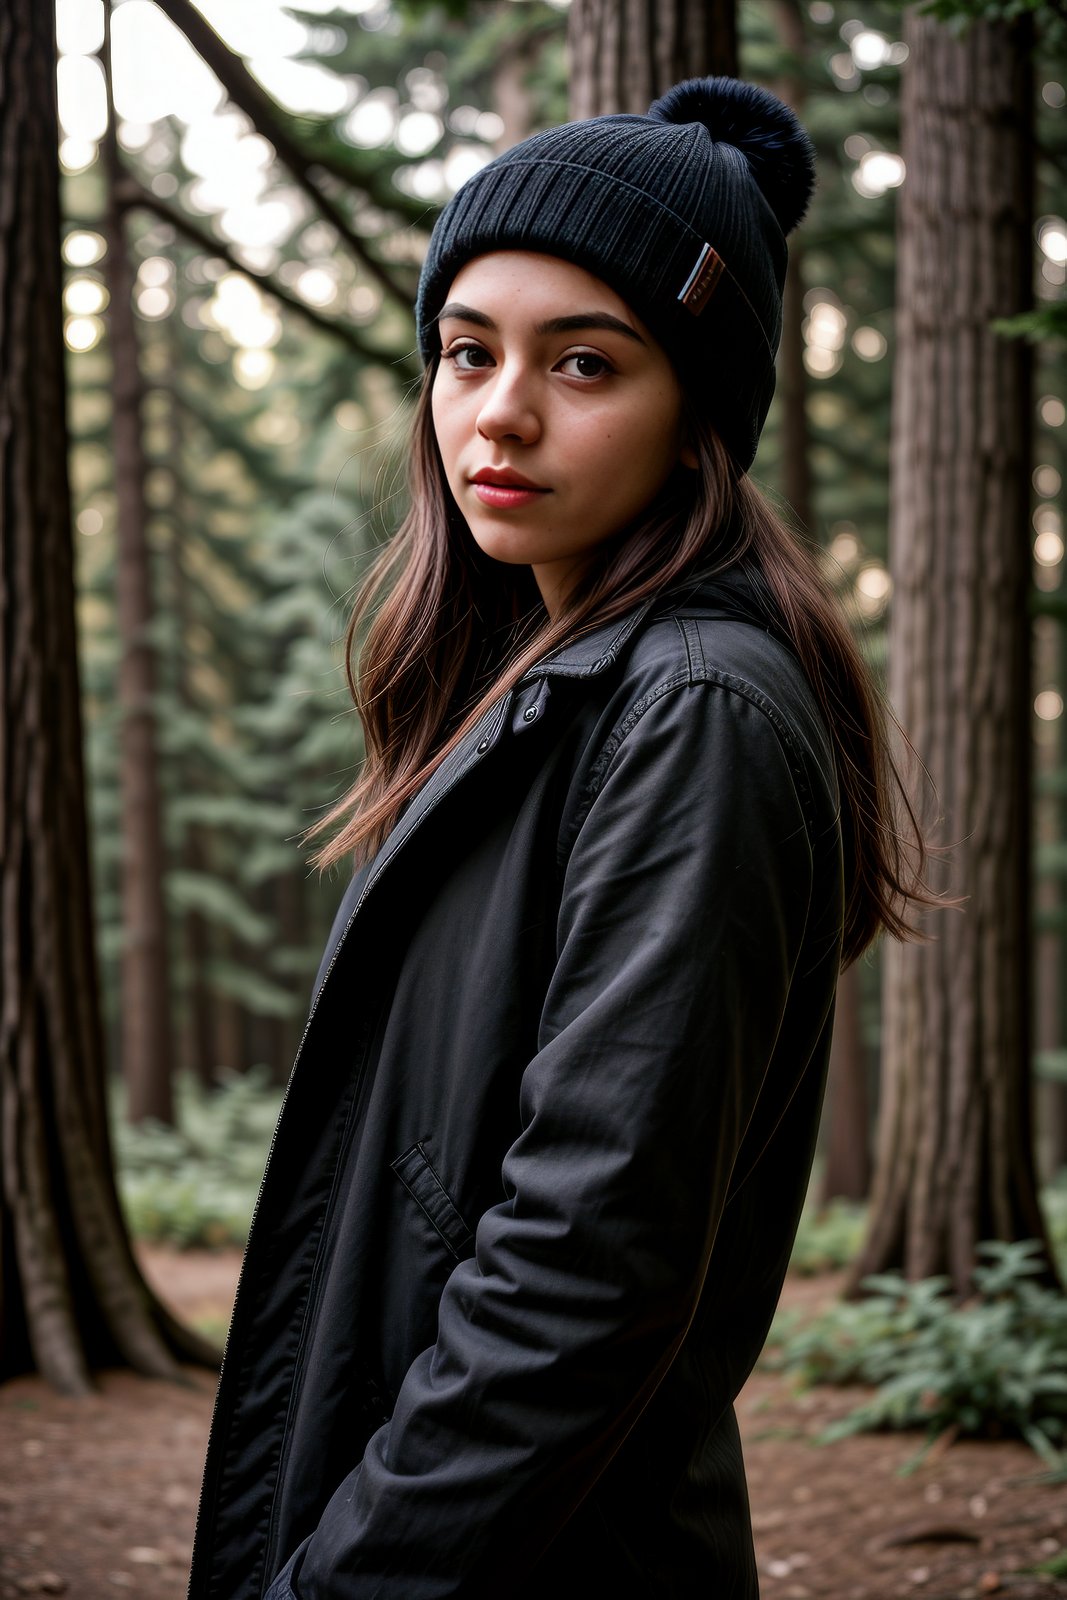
x=624 y=53
x=511 y=87
x=146 y=1021
x=795 y=451
x=1051 y=1096
x=198 y=1034
x=846 y=1173
x=955 y=1158
x=71 y=1296
x=846 y=1140
x=194 y=1053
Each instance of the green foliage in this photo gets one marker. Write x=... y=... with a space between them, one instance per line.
x=1048 y=15
x=266 y=504
x=268 y=494
x=1052 y=1064
x=1054 y=1205
x=828 y=1238
x=989 y=10
x=1055 y=1566
x=1050 y=322
x=996 y=1365
x=195 y=1185
x=199 y=891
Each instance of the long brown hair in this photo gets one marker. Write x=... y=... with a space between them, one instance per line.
x=456 y=630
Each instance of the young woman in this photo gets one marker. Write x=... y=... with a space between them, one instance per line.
x=627 y=808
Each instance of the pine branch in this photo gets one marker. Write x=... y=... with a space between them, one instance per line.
x=371 y=173
x=270 y=121
x=133 y=194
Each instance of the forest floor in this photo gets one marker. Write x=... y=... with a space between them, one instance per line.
x=98 y=1496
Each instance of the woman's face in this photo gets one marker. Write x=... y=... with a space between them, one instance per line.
x=547 y=375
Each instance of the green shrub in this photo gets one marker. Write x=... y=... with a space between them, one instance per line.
x=828 y=1237
x=996 y=1365
x=196 y=1184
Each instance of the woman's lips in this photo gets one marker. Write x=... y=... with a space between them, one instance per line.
x=506 y=495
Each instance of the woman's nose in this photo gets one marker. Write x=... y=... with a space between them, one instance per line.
x=508 y=409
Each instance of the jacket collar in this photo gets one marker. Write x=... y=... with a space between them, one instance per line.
x=591 y=652
x=734 y=593
x=583 y=657
x=739 y=593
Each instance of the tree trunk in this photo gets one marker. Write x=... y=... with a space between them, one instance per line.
x=1051 y=1096
x=511 y=89
x=955 y=1158
x=624 y=53
x=71 y=1296
x=847 y=1162
x=795 y=453
x=199 y=1029
x=846 y=1167
x=195 y=1053
x=146 y=1030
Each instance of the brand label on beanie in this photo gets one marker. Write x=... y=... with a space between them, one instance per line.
x=698 y=288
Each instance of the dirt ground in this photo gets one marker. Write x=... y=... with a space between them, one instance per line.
x=98 y=1497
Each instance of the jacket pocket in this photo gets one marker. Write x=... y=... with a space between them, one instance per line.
x=430 y=1195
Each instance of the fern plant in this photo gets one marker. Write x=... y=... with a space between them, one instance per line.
x=994 y=1366
x=828 y=1237
x=196 y=1184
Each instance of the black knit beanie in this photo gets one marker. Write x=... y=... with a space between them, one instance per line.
x=684 y=212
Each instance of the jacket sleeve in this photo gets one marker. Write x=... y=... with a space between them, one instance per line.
x=684 y=905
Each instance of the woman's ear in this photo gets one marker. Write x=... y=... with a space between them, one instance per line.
x=687 y=456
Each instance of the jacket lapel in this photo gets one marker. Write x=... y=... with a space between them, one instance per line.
x=466 y=755
x=586 y=656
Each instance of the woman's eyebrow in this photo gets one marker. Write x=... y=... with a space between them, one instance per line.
x=569 y=324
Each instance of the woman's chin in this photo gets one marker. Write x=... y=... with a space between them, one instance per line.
x=511 y=546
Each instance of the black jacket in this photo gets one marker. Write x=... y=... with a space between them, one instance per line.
x=541 y=1159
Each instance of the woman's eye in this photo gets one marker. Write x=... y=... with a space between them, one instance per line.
x=588 y=365
x=459 y=350
x=475 y=358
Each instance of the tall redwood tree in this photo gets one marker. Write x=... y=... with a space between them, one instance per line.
x=846 y=1139
x=146 y=1025
x=955 y=1159
x=71 y=1296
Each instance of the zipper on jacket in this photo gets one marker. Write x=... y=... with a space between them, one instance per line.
x=492 y=722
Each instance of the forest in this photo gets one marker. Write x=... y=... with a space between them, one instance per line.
x=212 y=219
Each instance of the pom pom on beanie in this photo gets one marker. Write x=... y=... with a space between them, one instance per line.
x=765 y=130
x=683 y=211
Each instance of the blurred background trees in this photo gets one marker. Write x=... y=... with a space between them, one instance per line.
x=71 y=1295
x=240 y=242
x=273 y=240
x=956 y=1153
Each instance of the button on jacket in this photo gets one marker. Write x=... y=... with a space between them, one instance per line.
x=542 y=1155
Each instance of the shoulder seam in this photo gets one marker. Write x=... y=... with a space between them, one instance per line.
x=694 y=648
x=606 y=754
x=713 y=677
x=771 y=710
